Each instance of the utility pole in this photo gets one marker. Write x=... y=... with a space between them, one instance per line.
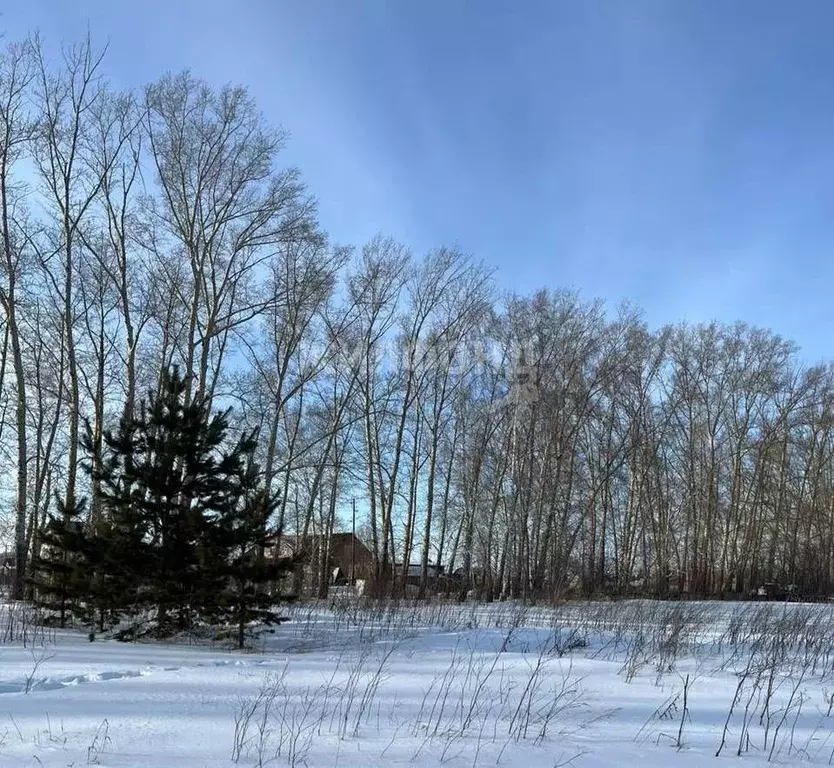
x=353 y=547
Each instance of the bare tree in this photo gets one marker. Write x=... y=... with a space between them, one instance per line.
x=17 y=129
x=71 y=181
x=224 y=206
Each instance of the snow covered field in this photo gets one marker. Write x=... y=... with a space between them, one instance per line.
x=621 y=684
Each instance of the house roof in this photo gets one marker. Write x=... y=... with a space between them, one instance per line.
x=294 y=542
x=317 y=536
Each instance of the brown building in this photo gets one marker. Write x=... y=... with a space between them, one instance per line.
x=343 y=559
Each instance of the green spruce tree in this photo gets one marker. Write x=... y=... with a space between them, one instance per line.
x=183 y=508
x=247 y=537
x=59 y=571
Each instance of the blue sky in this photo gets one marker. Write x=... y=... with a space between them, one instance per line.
x=677 y=154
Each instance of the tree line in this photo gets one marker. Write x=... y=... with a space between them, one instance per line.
x=533 y=444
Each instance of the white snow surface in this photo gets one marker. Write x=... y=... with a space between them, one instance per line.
x=428 y=685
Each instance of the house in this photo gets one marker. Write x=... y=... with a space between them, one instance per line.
x=322 y=562
x=415 y=570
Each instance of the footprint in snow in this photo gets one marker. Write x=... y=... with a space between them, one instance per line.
x=57 y=683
